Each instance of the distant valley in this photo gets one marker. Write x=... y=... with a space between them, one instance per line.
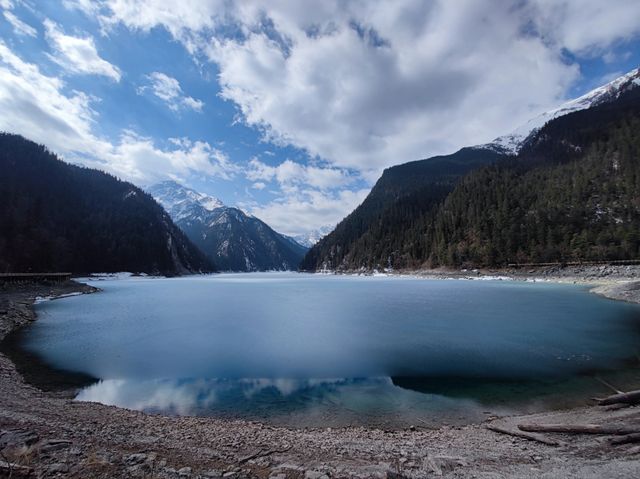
x=230 y=238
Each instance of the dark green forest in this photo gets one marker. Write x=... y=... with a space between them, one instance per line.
x=402 y=194
x=571 y=194
x=59 y=217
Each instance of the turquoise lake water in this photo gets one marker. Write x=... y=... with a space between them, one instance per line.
x=318 y=350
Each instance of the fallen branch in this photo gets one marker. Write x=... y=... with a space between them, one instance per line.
x=524 y=435
x=615 y=407
x=629 y=438
x=632 y=397
x=610 y=386
x=579 y=429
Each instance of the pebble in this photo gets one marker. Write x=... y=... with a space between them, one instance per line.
x=16 y=437
x=213 y=474
x=138 y=458
x=184 y=472
x=315 y=475
x=58 y=468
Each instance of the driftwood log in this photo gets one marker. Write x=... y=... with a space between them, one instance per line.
x=524 y=435
x=581 y=429
x=631 y=397
x=629 y=438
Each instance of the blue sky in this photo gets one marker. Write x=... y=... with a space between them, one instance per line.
x=291 y=110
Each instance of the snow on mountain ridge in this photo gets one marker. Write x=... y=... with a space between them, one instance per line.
x=512 y=142
x=182 y=202
x=233 y=240
x=311 y=238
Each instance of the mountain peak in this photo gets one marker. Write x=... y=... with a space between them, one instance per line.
x=512 y=142
x=179 y=200
x=232 y=239
x=312 y=237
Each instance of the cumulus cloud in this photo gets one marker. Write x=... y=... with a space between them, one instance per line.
x=36 y=106
x=309 y=196
x=19 y=27
x=33 y=104
x=585 y=27
x=365 y=85
x=298 y=212
x=289 y=173
x=78 y=55
x=139 y=159
x=168 y=89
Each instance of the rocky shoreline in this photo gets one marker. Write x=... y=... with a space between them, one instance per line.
x=45 y=434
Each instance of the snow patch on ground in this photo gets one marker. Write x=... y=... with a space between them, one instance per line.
x=42 y=299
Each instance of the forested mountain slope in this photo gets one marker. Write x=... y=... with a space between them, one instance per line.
x=371 y=234
x=570 y=194
x=59 y=217
x=573 y=194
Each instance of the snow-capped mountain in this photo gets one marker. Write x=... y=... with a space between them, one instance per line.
x=234 y=240
x=513 y=142
x=312 y=237
x=181 y=202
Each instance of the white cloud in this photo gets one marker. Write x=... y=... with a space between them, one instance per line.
x=19 y=27
x=185 y=20
x=306 y=210
x=78 y=55
x=90 y=7
x=139 y=159
x=36 y=106
x=33 y=104
x=289 y=173
x=365 y=85
x=168 y=89
x=586 y=27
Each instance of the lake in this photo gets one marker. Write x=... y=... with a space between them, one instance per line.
x=324 y=350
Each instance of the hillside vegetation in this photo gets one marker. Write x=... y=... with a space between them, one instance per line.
x=59 y=217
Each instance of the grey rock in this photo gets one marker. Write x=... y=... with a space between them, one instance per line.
x=58 y=468
x=213 y=474
x=76 y=451
x=141 y=469
x=315 y=475
x=17 y=437
x=55 y=445
x=395 y=475
x=184 y=472
x=133 y=459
